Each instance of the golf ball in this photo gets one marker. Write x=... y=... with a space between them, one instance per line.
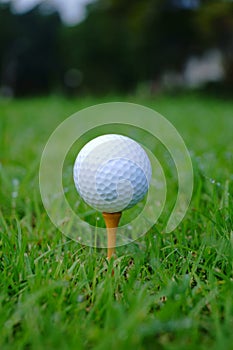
x=112 y=173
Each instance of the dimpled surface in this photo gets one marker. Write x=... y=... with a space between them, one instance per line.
x=112 y=173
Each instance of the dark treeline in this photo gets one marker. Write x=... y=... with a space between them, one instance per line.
x=119 y=45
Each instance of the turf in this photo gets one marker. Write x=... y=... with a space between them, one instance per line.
x=168 y=291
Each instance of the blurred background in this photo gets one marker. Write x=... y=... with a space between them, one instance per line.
x=94 y=47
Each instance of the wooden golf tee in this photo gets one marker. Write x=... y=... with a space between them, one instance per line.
x=111 y=222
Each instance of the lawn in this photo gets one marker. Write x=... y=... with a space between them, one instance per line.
x=169 y=290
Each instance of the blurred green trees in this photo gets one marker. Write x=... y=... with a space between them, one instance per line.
x=215 y=26
x=118 y=46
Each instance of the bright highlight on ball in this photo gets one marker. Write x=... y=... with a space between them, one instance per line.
x=112 y=173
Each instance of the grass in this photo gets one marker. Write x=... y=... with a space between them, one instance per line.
x=168 y=291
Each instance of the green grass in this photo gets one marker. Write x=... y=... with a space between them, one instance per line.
x=168 y=291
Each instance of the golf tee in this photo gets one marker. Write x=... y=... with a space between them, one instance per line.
x=111 y=222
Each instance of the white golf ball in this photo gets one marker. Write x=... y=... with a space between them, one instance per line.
x=112 y=173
